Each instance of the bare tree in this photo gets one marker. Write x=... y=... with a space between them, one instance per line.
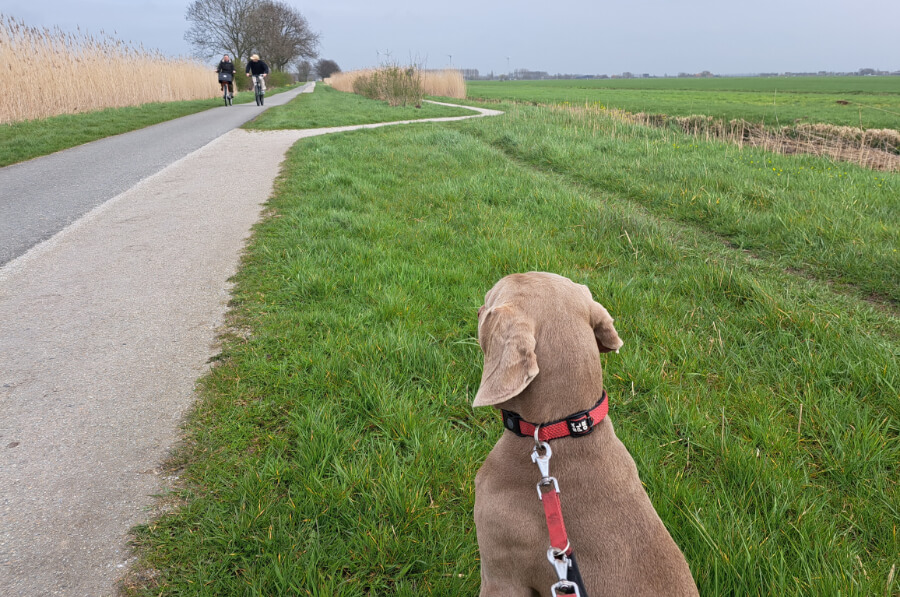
x=326 y=68
x=304 y=68
x=220 y=26
x=281 y=34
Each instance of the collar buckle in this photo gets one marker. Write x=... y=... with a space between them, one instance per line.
x=512 y=421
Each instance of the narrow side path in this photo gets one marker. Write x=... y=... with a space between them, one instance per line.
x=104 y=330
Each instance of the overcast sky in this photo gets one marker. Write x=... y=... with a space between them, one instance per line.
x=578 y=36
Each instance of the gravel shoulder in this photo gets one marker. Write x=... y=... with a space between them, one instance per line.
x=106 y=327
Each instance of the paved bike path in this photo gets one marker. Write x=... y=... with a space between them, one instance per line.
x=40 y=197
x=104 y=330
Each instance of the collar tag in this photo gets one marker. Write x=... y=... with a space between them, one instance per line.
x=581 y=424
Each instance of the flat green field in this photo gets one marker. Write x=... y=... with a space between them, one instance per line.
x=334 y=447
x=871 y=102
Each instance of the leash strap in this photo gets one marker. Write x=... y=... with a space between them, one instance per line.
x=560 y=554
x=559 y=539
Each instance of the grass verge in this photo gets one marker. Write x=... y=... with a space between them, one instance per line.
x=29 y=139
x=334 y=449
x=327 y=107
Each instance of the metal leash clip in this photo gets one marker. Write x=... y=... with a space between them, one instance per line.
x=569 y=588
x=543 y=463
x=561 y=564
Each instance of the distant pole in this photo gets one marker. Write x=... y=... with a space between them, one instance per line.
x=450 y=56
x=508 y=73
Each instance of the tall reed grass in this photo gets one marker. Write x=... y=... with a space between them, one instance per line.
x=50 y=72
x=388 y=79
x=396 y=85
x=878 y=149
x=445 y=83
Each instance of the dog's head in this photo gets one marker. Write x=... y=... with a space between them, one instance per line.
x=525 y=315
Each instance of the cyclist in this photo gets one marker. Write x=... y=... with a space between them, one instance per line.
x=226 y=67
x=258 y=69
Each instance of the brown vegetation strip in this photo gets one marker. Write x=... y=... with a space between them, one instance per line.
x=50 y=72
x=394 y=84
x=878 y=149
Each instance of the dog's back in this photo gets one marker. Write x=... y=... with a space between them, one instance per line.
x=541 y=335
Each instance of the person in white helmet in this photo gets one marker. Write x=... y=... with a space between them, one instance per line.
x=257 y=68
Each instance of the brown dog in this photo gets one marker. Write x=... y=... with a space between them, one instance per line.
x=540 y=334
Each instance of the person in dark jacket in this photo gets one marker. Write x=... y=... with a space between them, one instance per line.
x=226 y=74
x=257 y=68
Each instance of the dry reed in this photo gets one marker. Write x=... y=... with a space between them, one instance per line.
x=393 y=84
x=444 y=83
x=878 y=149
x=344 y=81
x=50 y=72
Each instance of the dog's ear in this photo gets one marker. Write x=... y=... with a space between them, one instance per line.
x=506 y=336
x=606 y=335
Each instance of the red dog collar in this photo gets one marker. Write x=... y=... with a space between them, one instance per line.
x=578 y=424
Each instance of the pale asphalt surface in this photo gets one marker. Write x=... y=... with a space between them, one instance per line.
x=104 y=329
x=40 y=197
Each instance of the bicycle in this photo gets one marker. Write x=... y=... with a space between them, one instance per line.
x=258 y=90
x=225 y=79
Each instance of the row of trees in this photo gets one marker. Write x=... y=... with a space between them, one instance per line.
x=323 y=68
x=271 y=28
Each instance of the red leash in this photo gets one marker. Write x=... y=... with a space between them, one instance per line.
x=559 y=538
x=560 y=554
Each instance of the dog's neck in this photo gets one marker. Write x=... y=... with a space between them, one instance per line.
x=559 y=391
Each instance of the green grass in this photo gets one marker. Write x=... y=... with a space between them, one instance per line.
x=327 y=107
x=874 y=102
x=29 y=139
x=833 y=221
x=334 y=449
